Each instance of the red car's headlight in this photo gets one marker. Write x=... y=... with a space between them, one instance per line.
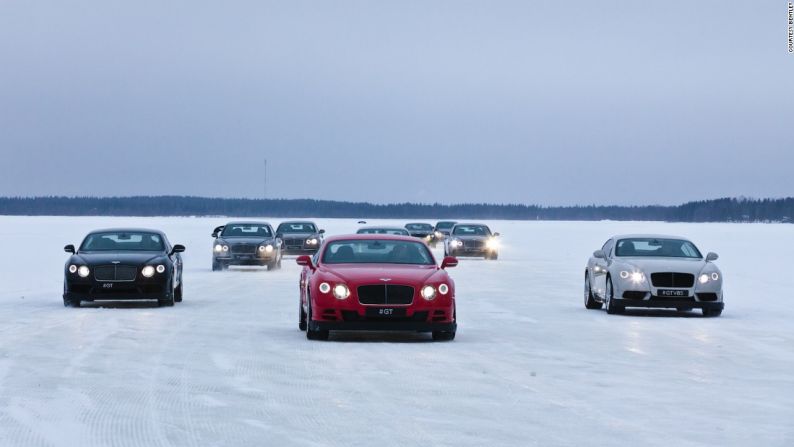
x=428 y=292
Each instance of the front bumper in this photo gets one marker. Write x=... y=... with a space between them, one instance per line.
x=246 y=259
x=664 y=302
x=300 y=250
x=414 y=326
x=463 y=252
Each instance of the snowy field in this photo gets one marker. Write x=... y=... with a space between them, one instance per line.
x=530 y=366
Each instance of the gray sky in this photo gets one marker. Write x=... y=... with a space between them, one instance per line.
x=547 y=102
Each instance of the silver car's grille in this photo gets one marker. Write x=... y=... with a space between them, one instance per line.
x=115 y=273
x=294 y=242
x=473 y=244
x=385 y=294
x=672 y=279
x=243 y=248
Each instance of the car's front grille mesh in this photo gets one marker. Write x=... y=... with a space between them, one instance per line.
x=115 y=273
x=672 y=279
x=294 y=242
x=243 y=248
x=473 y=244
x=385 y=294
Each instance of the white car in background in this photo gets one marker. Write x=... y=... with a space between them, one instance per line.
x=652 y=271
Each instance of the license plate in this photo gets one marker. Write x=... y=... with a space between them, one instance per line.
x=675 y=293
x=386 y=312
x=107 y=285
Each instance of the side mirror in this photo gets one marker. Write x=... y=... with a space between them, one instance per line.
x=712 y=256
x=217 y=230
x=599 y=254
x=305 y=261
x=69 y=249
x=322 y=231
x=178 y=249
x=449 y=261
x=496 y=235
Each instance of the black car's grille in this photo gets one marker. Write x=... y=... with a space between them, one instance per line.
x=385 y=294
x=115 y=273
x=243 y=248
x=672 y=279
x=473 y=244
x=294 y=242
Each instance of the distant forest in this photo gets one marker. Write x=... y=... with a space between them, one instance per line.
x=717 y=210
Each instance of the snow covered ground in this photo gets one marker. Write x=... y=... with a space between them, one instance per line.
x=530 y=366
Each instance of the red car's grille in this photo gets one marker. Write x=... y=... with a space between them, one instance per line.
x=385 y=294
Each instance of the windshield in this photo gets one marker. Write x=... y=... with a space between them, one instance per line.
x=445 y=225
x=419 y=227
x=123 y=241
x=664 y=248
x=394 y=231
x=377 y=252
x=247 y=230
x=297 y=227
x=471 y=230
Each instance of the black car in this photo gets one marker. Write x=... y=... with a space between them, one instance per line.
x=472 y=240
x=245 y=243
x=299 y=237
x=423 y=231
x=442 y=229
x=123 y=264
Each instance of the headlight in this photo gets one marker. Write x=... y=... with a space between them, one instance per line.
x=492 y=244
x=325 y=287
x=636 y=277
x=438 y=234
x=83 y=271
x=147 y=271
x=704 y=278
x=456 y=243
x=715 y=276
x=443 y=289
x=312 y=241
x=72 y=268
x=341 y=291
x=218 y=248
x=428 y=292
x=268 y=248
x=160 y=268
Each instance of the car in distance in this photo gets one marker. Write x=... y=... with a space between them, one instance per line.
x=245 y=243
x=422 y=231
x=652 y=271
x=397 y=231
x=376 y=282
x=123 y=264
x=442 y=229
x=299 y=237
x=472 y=240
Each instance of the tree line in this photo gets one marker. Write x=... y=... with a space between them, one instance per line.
x=716 y=210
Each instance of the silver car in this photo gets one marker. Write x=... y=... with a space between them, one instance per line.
x=648 y=270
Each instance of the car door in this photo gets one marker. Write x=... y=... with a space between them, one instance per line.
x=600 y=268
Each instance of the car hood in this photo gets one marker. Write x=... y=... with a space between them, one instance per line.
x=652 y=265
x=353 y=274
x=97 y=258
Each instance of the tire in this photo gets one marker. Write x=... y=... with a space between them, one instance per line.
x=443 y=335
x=71 y=302
x=216 y=266
x=178 y=293
x=167 y=300
x=301 y=317
x=312 y=334
x=589 y=300
x=612 y=308
x=710 y=313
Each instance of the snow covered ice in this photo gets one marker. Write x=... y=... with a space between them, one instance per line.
x=530 y=365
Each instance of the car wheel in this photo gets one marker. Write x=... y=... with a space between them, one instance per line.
x=612 y=308
x=711 y=312
x=167 y=300
x=178 y=293
x=301 y=317
x=443 y=335
x=312 y=334
x=589 y=300
x=216 y=266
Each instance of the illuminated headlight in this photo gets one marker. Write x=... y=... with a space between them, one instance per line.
x=160 y=268
x=266 y=248
x=83 y=271
x=341 y=291
x=598 y=269
x=443 y=289
x=72 y=268
x=492 y=244
x=428 y=292
x=147 y=271
x=704 y=278
x=325 y=287
x=312 y=241
x=636 y=277
x=439 y=234
x=456 y=243
x=218 y=248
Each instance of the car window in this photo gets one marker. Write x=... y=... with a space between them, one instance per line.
x=657 y=247
x=377 y=252
x=471 y=230
x=123 y=241
x=297 y=227
x=394 y=231
x=246 y=230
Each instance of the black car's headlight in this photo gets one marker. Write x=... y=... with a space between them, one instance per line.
x=266 y=248
x=82 y=271
x=312 y=241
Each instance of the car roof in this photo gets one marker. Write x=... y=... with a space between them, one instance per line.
x=359 y=237
x=248 y=222
x=648 y=236
x=474 y=224
x=419 y=223
x=382 y=228
x=127 y=230
x=296 y=221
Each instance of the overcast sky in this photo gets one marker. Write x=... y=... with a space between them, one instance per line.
x=552 y=102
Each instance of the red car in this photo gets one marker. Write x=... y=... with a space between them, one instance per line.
x=376 y=282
